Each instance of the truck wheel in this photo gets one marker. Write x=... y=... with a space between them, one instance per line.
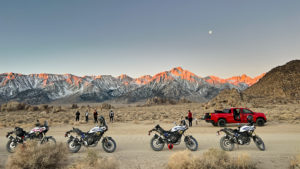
x=260 y=122
x=222 y=122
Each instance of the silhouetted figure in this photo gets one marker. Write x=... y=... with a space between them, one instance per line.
x=87 y=116
x=77 y=114
x=111 y=116
x=95 y=116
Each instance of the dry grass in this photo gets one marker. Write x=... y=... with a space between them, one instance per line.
x=34 y=156
x=93 y=161
x=212 y=159
x=295 y=162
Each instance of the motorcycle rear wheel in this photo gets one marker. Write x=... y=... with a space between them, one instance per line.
x=156 y=145
x=226 y=144
x=73 y=147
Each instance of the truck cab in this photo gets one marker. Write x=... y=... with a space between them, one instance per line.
x=234 y=115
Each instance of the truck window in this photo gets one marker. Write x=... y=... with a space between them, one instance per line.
x=226 y=111
x=246 y=111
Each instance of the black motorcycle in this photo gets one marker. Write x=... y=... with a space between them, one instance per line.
x=172 y=137
x=90 y=139
x=38 y=133
x=240 y=136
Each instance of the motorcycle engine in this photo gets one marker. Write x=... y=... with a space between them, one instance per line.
x=88 y=140
x=243 y=139
x=173 y=138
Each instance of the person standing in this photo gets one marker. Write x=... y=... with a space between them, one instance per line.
x=111 y=116
x=77 y=114
x=190 y=118
x=95 y=116
x=87 y=116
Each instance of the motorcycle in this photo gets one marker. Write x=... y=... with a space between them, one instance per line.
x=240 y=136
x=90 y=139
x=172 y=137
x=37 y=133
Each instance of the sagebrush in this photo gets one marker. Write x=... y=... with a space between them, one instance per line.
x=212 y=159
x=34 y=156
x=94 y=161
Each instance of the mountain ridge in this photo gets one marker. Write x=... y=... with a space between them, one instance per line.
x=175 y=83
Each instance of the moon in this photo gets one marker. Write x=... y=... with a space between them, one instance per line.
x=210 y=32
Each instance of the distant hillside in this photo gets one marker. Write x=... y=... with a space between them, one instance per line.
x=279 y=85
x=280 y=82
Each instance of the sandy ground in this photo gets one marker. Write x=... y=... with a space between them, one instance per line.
x=133 y=148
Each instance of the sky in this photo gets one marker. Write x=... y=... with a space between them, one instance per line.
x=140 y=37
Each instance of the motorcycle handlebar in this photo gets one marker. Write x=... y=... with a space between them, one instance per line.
x=149 y=132
x=9 y=133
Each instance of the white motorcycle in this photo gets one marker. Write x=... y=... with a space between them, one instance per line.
x=172 y=137
x=240 y=136
x=90 y=139
x=37 y=133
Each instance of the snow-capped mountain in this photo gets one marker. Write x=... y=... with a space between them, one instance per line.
x=176 y=83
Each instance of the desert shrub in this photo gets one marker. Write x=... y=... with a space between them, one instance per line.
x=56 y=109
x=93 y=161
x=34 y=156
x=74 y=106
x=295 y=162
x=13 y=106
x=43 y=107
x=106 y=106
x=33 y=108
x=212 y=159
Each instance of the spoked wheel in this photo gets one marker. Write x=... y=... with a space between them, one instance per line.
x=109 y=145
x=156 y=144
x=11 y=146
x=191 y=144
x=50 y=141
x=73 y=147
x=259 y=143
x=226 y=144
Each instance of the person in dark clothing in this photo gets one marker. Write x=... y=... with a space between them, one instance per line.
x=190 y=118
x=95 y=116
x=237 y=114
x=77 y=115
x=87 y=116
x=111 y=116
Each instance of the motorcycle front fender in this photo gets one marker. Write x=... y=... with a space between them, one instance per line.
x=105 y=139
x=156 y=136
x=11 y=138
x=187 y=138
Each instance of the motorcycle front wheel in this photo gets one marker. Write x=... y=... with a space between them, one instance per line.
x=259 y=143
x=73 y=147
x=50 y=141
x=156 y=144
x=109 y=145
x=11 y=146
x=226 y=144
x=191 y=144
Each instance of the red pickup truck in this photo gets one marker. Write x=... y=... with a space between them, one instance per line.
x=234 y=115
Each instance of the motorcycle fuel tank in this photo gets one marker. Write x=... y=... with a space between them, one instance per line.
x=246 y=128
x=97 y=129
x=177 y=128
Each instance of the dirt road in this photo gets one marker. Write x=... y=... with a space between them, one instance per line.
x=133 y=148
